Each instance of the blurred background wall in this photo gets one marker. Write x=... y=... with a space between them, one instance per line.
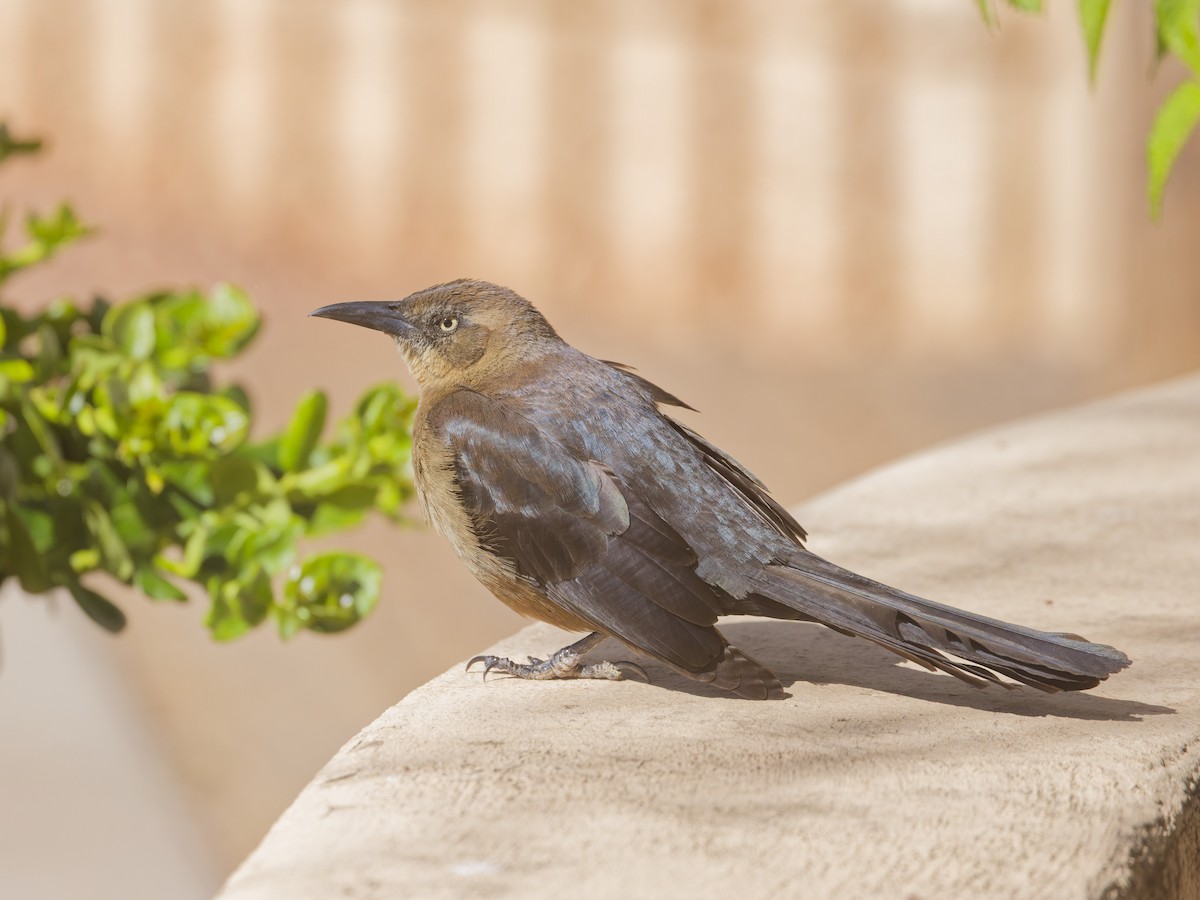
x=843 y=230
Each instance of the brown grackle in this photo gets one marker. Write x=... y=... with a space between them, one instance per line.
x=576 y=500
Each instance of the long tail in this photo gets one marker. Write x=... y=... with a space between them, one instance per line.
x=923 y=631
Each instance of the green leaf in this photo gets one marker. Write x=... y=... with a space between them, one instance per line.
x=22 y=557
x=193 y=554
x=49 y=353
x=11 y=146
x=131 y=327
x=328 y=517
x=231 y=319
x=199 y=425
x=192 y=326
x=1093 y=14
x=191 y=479
x=238 y=395
x=18 y=371
x=1174 y=123
x=99 y=609
x=268 y=538
x=113 y=551
x=1034 y=6
x=53 y=232
x=41 y=432
x=303 y=432
x=41 y=529
x=331 y=591
x=238 y=605
x=9 y=479
x=986 y=12
x=323 y=479
x=84 y=560
x=1178 y=28
x=155 y=586
x=235 y=476
x=265 y=452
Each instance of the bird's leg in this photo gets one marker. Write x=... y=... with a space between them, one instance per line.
x=564 y=663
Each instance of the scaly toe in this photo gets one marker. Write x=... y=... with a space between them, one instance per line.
x=613 y=671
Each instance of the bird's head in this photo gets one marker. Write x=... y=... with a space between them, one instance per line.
x=456 y=334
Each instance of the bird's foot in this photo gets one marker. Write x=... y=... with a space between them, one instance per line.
x=565 y=663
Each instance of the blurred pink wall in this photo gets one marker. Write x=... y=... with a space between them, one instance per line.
x=843 y=230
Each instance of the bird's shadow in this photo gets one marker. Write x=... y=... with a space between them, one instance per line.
x=805 y=654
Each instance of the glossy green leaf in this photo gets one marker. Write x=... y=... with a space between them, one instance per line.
x=155 y=586
x=192 y=326
x=303 y=432
x=84 y=560
x=1174 y=123
x=186 y=564
x=331 y=591
x=197 y=425
x=274 y=546
x=99 y=609
x=127 y=454
x=131 y=327
x=232 y=319
x=323 y=479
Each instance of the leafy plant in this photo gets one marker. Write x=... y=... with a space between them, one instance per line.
x=120 y=454
x=1177 y=34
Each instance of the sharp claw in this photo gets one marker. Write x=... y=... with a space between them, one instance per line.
x=491 y=664
x=476 y=659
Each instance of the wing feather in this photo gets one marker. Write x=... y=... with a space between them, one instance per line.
x=570 y=527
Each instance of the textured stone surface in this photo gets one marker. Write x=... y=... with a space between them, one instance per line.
x=876 y=778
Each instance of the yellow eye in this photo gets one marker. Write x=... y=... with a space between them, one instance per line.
x=448 y=324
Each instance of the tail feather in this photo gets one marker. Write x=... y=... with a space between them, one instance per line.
x=975 y=648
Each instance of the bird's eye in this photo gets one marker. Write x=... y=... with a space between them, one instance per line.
x=448 y=324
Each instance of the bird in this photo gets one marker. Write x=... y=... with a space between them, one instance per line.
x=568 y=490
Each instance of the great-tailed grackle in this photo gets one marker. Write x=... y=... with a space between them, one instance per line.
x=575 y=499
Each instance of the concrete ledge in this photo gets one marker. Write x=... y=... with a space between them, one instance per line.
x=876 y=779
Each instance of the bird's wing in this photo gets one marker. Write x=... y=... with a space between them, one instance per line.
x=568 y=526
x=735 y=474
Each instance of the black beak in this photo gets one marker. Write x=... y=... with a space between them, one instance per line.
x=379 y=315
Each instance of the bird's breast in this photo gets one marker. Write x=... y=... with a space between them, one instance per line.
x=441 y=503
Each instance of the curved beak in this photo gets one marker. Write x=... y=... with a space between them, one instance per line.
x=378 y=315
